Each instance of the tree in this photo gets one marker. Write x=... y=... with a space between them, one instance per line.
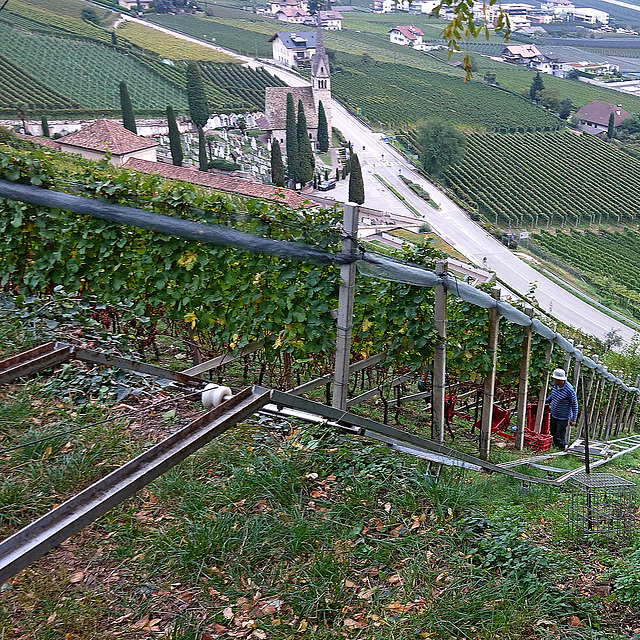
x=323 y=129
x=196 y=96
x=305 y=152
x=89 y=14
x=203 y=161
x=175 y=143
x=439 y=145
x=490 y=77
x=550 y=99
x=45 y=127
x=356 y=183
x=565 y=108
x=315 y=6
x=611 y=128
x=293 y=162
x=114 y=38
x=537 y=85
x=128 y=118
x=277 y=167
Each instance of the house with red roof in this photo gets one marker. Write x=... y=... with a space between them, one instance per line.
x=594 y=117
x=101 y=137
x=408 y=35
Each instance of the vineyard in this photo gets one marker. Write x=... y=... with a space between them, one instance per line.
x=243 y=40
x=398 y=95
x=610 y=261
x=557 y=178
x=16 y=86
x=242 y=82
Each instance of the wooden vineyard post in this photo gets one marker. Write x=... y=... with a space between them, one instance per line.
x=593 y=398
x=439 y=357
x=345 y=309
x=596 y=414
x=490 y=381
x=567 y=361
x=583 y=418
x=627 y=424
x=523 y=384
x=542 y=396
x=611 y=409
x=575 y=381
x=620 y=411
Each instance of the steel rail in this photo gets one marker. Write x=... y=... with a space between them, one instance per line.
x=42 y=535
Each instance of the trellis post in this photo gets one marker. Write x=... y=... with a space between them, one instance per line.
x=439 y=357
x=542 y=396
x=490 y=380
x=628 y=424
x=586 y=400
x=575 y=380
x=344 y=322
x=523 y=384
x=611 y=408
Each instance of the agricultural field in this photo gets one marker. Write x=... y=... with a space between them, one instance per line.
x=533 y=179
x=397 y=95
x=168 y=46
x=18 y=87
x=87 y=72
x=610 y=261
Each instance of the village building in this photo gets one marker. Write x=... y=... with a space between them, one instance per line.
x=594 y=117
x=133 y=4
x=331 y=20
x=101 y=137
x=408 y=35
x=274 y=121
x=520 y=54
x=292 y=48
x=279 y=5
x=294 y=15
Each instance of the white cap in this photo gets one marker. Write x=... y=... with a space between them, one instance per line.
x=559 y=374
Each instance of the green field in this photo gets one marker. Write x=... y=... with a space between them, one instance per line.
x=535 y=179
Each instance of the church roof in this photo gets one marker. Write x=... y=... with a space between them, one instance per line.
x=276 y=105
x=320 y=57
x=106 y=135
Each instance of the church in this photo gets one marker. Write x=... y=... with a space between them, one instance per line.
x=320 y=90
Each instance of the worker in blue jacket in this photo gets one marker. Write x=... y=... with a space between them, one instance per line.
x=564 y=408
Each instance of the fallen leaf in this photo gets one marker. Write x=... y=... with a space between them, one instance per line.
x=349 y=584
x=228 y=613
x=574 y=621
x=141 y=623
x=303 y=625
x=387 y=506
x=441 y=578
x=78 y=576
x=52 y=617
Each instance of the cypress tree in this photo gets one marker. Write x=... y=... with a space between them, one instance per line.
x=203 y=161
x=45 y=127
x=356 y=183
x=305 y=152
x=611 y=129
x=128 y=119
x=175 y=144
x=293 y=161
x=536 y=86
x=196 y=95
x=323 y=129
x=277 y=167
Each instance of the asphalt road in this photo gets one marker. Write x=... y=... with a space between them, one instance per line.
x=449 y=222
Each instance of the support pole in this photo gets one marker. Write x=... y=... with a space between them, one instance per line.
x=439 y=357
x=575 y=382
x=586 y=403
x=542 y=396
x=523 y=385
x=611 y=408
x=345 y=308
x=628 y=424
x=490 y=381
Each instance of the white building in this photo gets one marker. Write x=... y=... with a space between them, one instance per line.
x=291 y=48
x=406 y=35
x=588 y=16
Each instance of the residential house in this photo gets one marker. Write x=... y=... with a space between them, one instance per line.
x=331 y=20
x=133 y=4
x=292 y=48
x=278 y=5
x=101 y=137
x=423 y=6
x=408 y=35
x=592 y=68
x=594 y=117
x=550 y=63
x=295 y=15
x=520 y=54
x=390 y=6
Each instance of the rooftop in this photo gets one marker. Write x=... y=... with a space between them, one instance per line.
x=106 y=135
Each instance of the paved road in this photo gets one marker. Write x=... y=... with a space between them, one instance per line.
x=449 y=222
